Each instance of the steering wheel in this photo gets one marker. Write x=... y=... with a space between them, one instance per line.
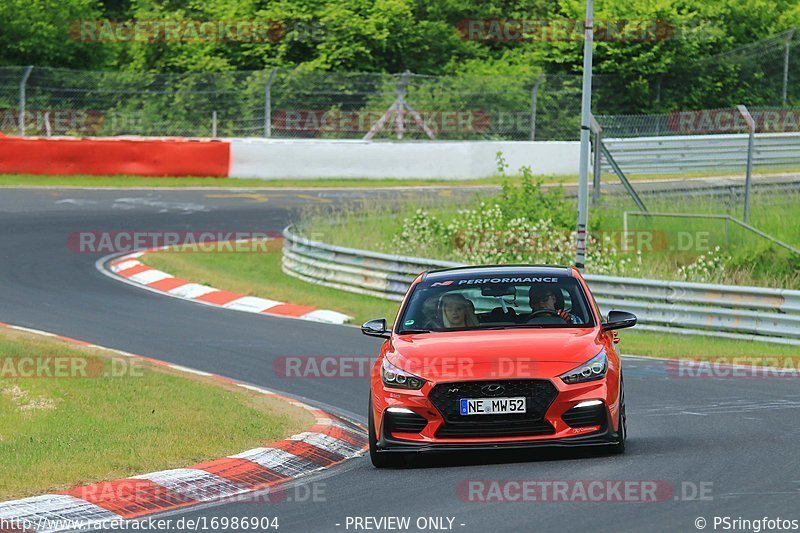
x=542 y=312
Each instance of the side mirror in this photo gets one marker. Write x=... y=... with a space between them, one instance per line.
x=619 y=320
x=376 y=328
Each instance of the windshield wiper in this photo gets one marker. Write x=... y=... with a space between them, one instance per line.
x=404 y=331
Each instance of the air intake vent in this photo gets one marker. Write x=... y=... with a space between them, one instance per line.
x=578 y=417
x=404 y=423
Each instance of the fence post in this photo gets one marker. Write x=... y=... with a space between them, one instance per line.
x=727 y=239
x=214 y=124
x=751 y=125
x=786 y=64
x=22 y=83
x=402 y=84
x=597 y=161
x=534 y=96
x=268 y=104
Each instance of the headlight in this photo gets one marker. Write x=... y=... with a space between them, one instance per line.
x=594 y=368
x=400 y=379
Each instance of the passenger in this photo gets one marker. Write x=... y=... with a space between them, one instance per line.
x=457 y=312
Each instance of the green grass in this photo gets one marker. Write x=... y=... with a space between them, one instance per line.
x=60 y=432
x=347 y=226
x=656 y=344
x=755 y=260
x=260 y=275
x=25 y=180
x=30 y=180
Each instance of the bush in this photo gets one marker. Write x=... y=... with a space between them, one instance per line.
x=529 y=201
x=765 y=260
x=527 y=225
x=708 y=268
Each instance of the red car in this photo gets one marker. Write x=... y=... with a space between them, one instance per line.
x=496 y=357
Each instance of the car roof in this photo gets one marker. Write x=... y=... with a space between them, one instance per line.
x=499 y=270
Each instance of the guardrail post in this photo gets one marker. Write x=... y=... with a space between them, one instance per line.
x=268 y=104
x=751 y=125
x=534 y=96
x=22 y=83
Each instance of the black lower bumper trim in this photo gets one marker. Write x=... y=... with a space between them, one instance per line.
x=604 y=437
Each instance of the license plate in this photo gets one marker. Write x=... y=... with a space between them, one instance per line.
x=493 y=406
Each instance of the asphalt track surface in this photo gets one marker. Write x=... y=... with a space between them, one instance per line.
x=737 y=436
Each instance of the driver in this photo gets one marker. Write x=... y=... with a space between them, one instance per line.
x=549 y=298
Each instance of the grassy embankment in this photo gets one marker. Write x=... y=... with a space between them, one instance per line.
x=97 y=416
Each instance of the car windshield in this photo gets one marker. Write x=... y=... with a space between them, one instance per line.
x=507 y=301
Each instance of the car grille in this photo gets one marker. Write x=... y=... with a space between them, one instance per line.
x=539 y=395
x=404 y=423
x=578 y=417
x=505 y=429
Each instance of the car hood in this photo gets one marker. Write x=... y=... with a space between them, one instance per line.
x=509 y=353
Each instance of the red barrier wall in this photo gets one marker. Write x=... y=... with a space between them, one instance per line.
x=108 y=157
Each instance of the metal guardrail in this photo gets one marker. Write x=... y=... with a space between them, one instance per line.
x=671 y=154
x=752 y=313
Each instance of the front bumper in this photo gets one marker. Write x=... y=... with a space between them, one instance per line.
x=604 y=437
x=549 y=424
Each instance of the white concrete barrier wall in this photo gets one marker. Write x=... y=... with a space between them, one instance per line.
x=306 y=159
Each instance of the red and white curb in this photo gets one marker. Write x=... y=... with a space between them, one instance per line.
x=330 y=441
x=131 y=269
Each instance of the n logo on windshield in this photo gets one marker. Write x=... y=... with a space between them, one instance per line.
x=442 y=283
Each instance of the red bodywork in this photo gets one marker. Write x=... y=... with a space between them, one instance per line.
x=458 y=356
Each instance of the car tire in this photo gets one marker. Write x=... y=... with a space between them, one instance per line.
x=619 y=447
x=380 y=460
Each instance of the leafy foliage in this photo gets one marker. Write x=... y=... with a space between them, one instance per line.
x=426 y=37
x=530 y=201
